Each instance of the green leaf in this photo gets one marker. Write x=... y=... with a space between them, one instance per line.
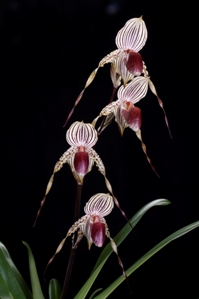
x=54 y=289
x=36 y=287
x=118 y=239
x=145 y=257
x=12 y=284
x=93 y=294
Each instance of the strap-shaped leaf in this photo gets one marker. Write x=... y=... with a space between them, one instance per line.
x=179 y=233
x=36 y=287
x=54 y=289
x=93 y=294
x=12 y=284
x=118 y=239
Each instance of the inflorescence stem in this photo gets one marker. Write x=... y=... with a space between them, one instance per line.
x=74 y=247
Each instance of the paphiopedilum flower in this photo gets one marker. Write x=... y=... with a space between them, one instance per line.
x=93 y=225
x=129 y=41
x=80 y=156
x=120 y=74
x=124 y=111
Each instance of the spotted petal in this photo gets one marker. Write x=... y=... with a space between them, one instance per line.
x=133 y=35
x=100 y=204
x=81 y=134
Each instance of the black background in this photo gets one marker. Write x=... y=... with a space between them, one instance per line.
x=48 y=50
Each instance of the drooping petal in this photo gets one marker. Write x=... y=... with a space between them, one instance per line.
x=81 y=134
x=100 y=204
x=98 y=231
x=107 y=59
x=133 y=35
x=114 y=247
x=134 y=91
x=153 y=89
x=132 y=115
x=62 y=160
x=101 y=168
x=138 y=134
x=96 y=158
x=71 y=231
x=88 y=82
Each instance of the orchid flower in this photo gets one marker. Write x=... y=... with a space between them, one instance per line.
x=93 y=225
x=126 y=61
x=120 y=73
x=129 y=41
x=124 y=111
x=80 y=157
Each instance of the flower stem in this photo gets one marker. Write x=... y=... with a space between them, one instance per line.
x=74 y=247
x=77 y=202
